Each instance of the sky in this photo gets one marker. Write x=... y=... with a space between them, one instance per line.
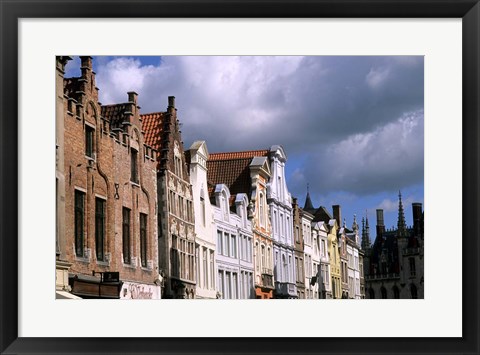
x=352 y=126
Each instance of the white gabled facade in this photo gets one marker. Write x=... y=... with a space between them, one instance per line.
x=307 y=252
x=324 y=281
x=281 y=216
x=320 y=261
x=353 y=247
x=204 y=224
x=234 y=246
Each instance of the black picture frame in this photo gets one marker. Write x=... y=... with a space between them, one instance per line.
x=12 y=11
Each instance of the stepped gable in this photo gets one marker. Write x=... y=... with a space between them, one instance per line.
x=116 y=113
x=73 y=86
x=153 y=127
x=232 y=169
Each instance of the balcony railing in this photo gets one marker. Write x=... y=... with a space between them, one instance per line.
x=267 y=281
x=267 y=271
x=286 y=289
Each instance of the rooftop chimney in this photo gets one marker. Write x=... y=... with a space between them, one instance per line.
x=132 y=97
x=380 y=223
x=337 y=214
x=86 y=65
x=417 y=217
x=171 y=101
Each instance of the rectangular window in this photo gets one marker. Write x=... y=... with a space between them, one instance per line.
x=212 y=269
x=174 y=258
x=226 y=245
x=412 y=266
x=126 y=235
x=205 y=267
x=134 y=166
x=143 y=239
x=89 y=134
x=220 y=283
x=234 y=247
x=100 y=228
x=202 y=209
x=219 y=243
x=235 y=286
x=228 y=285
x=197 y=256
x=79 y=222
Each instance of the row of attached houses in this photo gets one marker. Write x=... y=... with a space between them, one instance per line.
x=140 y=217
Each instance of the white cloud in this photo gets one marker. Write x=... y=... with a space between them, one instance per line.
x=376 y=77
x=388 y=158
x=355 y=139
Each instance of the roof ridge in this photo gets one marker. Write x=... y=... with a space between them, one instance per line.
x=153 y=113
x=238 y=155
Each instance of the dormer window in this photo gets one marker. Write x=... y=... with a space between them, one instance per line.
x=89 y=141
x=224 y=203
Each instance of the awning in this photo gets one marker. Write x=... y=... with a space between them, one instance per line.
x=63 y=295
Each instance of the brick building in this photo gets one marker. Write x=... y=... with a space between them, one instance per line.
x=108 y=224
x=176 y=228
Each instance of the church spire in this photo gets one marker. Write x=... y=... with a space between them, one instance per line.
x=365 y=233
x=355 y=225
x=308 y=202
x=401 y=225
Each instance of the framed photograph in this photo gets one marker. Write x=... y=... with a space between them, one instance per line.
x=428 y=51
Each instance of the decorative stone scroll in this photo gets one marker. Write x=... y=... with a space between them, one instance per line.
x=173 y=228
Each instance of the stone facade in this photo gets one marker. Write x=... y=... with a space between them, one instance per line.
x=307 y=219
x=110 y=192
x=234 y=253
x=205 y=243
x=280 y=208
x=393 y=265
x=176 y=229
x=298 y=245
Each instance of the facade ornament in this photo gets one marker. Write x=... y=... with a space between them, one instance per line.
x=173 y=228
x=182 y=231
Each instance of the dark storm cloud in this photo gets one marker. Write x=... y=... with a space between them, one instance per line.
x=357 y=122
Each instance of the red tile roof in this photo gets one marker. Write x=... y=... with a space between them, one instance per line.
x=232 y=169
x=115 y=113
x=238 y=155
x=152 y=125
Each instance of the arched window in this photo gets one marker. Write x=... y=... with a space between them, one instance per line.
x=224 y=205
x=257 y=257
x=413 y=291
x=264 y=261
x=372 y=293
x=396 y=292
x=262 y=210
x=383 y=290
x=202 y=206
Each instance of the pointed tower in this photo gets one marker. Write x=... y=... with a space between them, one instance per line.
x=355 y=225
x=308 y=202
x=401 y=225
x=365 y=234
